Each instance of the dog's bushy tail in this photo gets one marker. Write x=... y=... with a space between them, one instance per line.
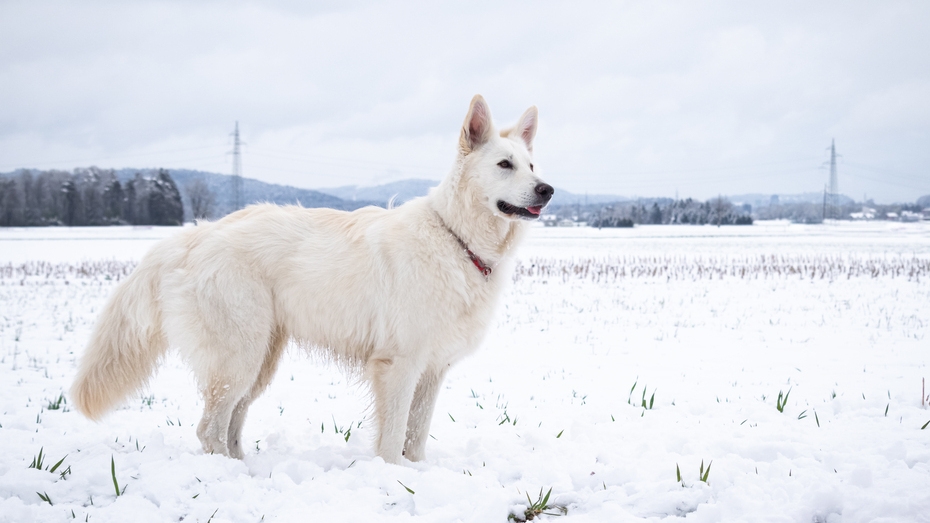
x=126 y=344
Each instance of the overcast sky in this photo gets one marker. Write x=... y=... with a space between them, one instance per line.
x=635 y=98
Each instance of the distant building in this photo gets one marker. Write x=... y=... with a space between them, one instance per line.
x=867 y=214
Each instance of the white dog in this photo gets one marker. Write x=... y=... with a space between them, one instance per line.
x=398 y=294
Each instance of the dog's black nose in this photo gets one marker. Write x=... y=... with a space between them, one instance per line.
x=545 y=191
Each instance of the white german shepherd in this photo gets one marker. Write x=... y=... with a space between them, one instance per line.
x=398 y=295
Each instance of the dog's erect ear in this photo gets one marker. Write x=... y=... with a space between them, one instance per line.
x=526 y=127
x=477 y=127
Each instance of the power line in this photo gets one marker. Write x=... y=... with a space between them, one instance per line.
x=339 y=162
x=106 y=158
x=887 y=182
x=712 y=169
x=882 y=170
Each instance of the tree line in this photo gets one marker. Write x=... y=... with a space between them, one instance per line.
x=718 y=211
x=89 y=196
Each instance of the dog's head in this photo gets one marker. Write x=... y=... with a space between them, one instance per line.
x=501 y=163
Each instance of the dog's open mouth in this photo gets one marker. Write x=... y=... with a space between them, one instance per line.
x=526 y=212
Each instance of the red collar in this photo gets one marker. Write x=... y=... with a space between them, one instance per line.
x=475 y=259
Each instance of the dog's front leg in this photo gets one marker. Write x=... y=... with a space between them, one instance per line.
x=421 y=413
x=393 y=381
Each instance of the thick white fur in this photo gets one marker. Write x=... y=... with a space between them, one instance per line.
x=390 y=293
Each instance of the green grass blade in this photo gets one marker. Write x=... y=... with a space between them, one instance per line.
x=706 y=473
x=56 y=465
x=113 y=475
x=37 y=460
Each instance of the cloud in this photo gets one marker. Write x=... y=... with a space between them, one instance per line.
x=634 y=97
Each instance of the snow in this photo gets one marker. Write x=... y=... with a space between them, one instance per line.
x=546 y=402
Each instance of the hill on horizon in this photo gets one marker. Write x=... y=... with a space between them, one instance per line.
x=408 y=189
x=401 y=191
x=253 y=191
x=764 y=200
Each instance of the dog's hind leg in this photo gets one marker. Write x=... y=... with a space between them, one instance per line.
x=267 y=372
x=229 y=380
x=223 y=325
x=220 y=398
x=393 y=381
x=421 y=413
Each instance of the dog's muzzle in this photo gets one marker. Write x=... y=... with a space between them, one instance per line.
x=544 y=193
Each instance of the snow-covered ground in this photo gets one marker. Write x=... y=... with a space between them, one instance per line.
x=552 y=400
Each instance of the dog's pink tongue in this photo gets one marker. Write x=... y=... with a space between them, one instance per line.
x=535 y=209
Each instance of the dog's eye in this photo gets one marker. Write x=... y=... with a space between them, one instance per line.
x=505 y=164
x=531 y=167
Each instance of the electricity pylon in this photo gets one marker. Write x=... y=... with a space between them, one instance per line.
x=833 y=196
x=834 y=183
x=237 y=170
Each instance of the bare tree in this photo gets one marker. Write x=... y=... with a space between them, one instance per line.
x=202 y=199
x=722 y=208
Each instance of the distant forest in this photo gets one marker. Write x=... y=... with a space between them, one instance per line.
x=718 y=211
x=721 y=211
x=89 y=196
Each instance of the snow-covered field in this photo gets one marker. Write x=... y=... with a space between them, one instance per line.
x=708 y=326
